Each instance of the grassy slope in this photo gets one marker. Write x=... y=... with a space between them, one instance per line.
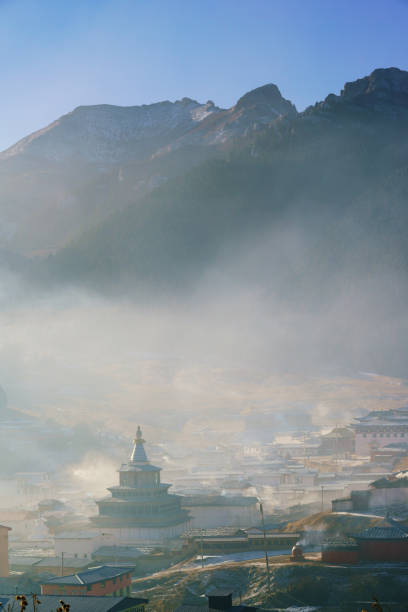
x=309 y=583
x=334 y=524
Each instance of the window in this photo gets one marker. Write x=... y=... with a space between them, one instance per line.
x=364 y=435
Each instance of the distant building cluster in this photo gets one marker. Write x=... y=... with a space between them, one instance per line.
x=141 y=527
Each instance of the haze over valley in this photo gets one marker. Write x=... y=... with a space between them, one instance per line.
x=208 y=264
x=218 y=291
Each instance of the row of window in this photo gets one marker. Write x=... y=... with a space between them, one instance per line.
x=126 y=510
x=394 y=435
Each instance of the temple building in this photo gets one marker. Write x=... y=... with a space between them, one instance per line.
x=386 y=542
x=140 y=509
x=380 y=428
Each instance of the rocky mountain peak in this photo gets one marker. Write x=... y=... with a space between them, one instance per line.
x=382 y=82
x=384 y=91
x=267 y=96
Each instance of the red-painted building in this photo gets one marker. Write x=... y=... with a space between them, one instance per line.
x=96 y=581
x=387 y=542
x=341 y=553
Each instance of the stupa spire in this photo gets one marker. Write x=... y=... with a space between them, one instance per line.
x=138 y=454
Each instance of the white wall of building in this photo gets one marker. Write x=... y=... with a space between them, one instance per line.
x=342 y=505
x=78 y=547
x=223 y=516
x=364 y=441
x=135 y=536
x=390 y=496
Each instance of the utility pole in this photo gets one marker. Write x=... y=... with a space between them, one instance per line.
x=62 y=564
x=265 y=547
x=322 y=486
x=337 y=447
x=202 y=553
x=36 y=602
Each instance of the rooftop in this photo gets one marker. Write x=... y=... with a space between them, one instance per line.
x=340 y=432
x=394 y=417
x=388 y=530
x=393 y=481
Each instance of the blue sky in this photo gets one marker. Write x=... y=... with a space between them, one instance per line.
x=56 y=55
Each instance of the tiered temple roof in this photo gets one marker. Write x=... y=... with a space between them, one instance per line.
x=140 y=499
x=383 y=419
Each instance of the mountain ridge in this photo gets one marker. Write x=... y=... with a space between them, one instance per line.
x=71 y=174
x=268 y=174
x=47 y=204
x=157 y=119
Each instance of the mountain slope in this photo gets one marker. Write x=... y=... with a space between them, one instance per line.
x=68 y=176
x=293 y=233
x=339 y=168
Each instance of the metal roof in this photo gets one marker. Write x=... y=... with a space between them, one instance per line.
x=388 y=530
x=78 y=603
x=382 y=533
x=92 y=575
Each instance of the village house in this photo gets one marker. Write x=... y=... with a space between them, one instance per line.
x=386 y=493
x=97 y=581
x=227 y=540
x=384 y=543
x=380 y=428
